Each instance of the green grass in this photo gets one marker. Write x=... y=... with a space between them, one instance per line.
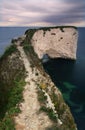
x=12 y=108
x=12 y=82
x=49 y=112
x=28 y=48
x=9 y=50
x=29 y=33
x=32 y=56
x=7 y=123
x=14 y=97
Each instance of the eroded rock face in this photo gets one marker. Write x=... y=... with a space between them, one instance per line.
x=56 y=42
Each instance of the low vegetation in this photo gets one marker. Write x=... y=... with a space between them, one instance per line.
x=42 y=98
x=50 y=113
x=29 y=33
x=9 y=50
x=12 y=75
x=32 y=56
x=12 y=107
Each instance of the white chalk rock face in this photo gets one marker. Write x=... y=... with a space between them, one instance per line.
x=56 y=42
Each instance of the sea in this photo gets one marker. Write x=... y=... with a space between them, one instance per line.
x=68 y=75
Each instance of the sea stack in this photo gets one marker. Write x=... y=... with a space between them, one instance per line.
x=57 y=42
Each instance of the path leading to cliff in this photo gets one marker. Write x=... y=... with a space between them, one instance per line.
x=30 y=118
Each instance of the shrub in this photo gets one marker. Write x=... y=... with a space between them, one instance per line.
x=49 y=112
x=41 y=97
x=43 y=86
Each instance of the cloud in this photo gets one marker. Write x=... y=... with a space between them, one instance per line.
x=41 y=11
x=74 y=14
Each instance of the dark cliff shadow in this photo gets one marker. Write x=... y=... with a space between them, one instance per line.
x=60 y=69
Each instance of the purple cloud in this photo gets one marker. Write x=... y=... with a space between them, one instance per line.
x=36 y=11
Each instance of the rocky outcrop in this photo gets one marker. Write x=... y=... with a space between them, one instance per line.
x=57 y=42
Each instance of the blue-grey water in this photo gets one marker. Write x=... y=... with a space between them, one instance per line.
x=7 y=34
x=69 y=76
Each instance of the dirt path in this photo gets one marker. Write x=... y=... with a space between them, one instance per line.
x=29 y=118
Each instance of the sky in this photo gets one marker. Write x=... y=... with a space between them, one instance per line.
x=42 y=12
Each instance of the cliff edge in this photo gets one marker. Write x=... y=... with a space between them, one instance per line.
x=29 y=99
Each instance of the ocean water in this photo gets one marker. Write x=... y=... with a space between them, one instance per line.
x=7 y=34
x=69 y=76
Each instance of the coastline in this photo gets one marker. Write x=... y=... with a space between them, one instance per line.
x=59 y=98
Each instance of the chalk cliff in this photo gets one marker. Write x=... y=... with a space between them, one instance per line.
x=31 y=100
x=58 y=42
